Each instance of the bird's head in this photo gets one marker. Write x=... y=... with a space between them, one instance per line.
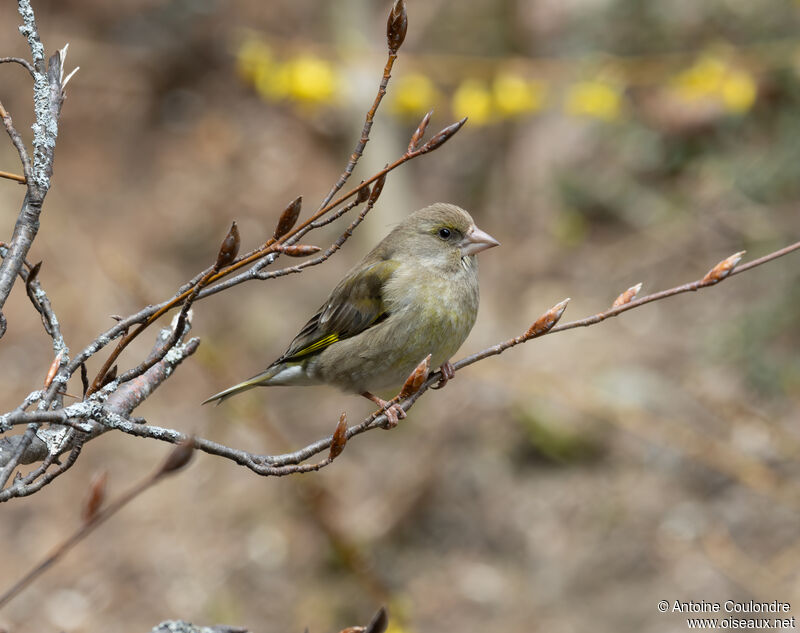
x=442 y=234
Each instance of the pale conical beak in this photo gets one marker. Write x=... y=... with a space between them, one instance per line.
x=476 y=241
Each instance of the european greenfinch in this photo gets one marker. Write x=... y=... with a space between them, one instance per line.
x=414 y=294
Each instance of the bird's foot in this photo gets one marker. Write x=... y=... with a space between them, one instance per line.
x=394 y=412
x=448 y=372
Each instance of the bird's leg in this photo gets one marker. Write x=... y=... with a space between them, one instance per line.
x=448 y=372
x=394 y=412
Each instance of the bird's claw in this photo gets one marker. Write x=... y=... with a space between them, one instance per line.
x=393 y=413
x=448 y=371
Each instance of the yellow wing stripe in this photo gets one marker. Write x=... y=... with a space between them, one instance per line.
x=317 y=345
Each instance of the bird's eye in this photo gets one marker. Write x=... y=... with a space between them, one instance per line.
x=444 y=233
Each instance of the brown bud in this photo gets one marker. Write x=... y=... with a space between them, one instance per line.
x=362 y=194
x=339 y=438
x=288 y=218
x=627 y=296
x=229 y=248
x=724 y=268
x=51 y=373
x=379 y=622
x=84 y=379
x=300 y=250
x=178 y=457
x=443 y=136
x=396 y=26
x=376 y=189
x=546 y=322
x=416 y=137
x=33 y=273
x=416 y=378
x=97 y=494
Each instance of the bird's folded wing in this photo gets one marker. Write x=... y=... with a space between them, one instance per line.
x=355 y=305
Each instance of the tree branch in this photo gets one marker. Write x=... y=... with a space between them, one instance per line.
x=291 y=463
x=22 y=62
x=48 y=95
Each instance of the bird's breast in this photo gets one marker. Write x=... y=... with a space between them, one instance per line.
x=428 y=313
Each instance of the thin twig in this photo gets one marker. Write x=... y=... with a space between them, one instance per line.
x=275 y=464
x=48 y=95
x=348 y=232
x=290 y=463
x=21 y=447
x=84 y=417
x=362 y=142
x=270 y=248
x=22 y=62
x=16 y=140
x=20 y=179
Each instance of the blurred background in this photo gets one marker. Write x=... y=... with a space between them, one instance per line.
x=566 y=485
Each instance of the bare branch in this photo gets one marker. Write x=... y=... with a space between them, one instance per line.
x=22 y=62
x=89 y=419
x=395 y=34
x=48 y=95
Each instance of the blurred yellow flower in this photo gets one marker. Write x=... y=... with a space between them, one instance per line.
x=310 y=79
x=272 y=81
x=738 y=91
x=473 y=99
x=413 y=94
x=594 y=99
x=703 y=79
x=515 y=95
x=710 y=77
x=252 y=56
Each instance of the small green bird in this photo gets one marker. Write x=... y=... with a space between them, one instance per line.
x=414 y=294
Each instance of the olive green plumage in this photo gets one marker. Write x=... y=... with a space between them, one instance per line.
x=414 y=294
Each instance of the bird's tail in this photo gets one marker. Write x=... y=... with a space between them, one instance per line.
x=259 y=379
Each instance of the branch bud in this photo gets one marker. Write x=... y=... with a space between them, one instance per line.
x=32 y=275
x=442 y=137
x=376 y=189
x=229 y=248
x=178 y=457
x=627 y=296
x=51 y=373
x=288 y=218
x=723 y=269
x=97 y=494
x=379 y=622
x=546 y=322
x=416 y=378
x=339 y=438
x=84 y=379
x=362 y=194
x=396 y=26
x=416 y=137
x=299 y=250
